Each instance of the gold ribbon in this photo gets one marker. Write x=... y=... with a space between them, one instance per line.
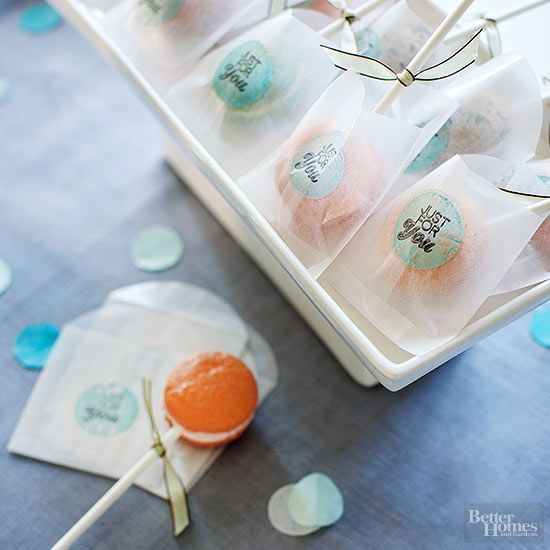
x=177 y=496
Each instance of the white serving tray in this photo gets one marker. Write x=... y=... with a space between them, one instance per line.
x=362 y=350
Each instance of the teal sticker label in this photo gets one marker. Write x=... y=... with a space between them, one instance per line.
x=155 y=12
x=429 y=231
x=430 y=155
x=368 y=42
x=318 y=165
x=544 y=179
x=244 y=75
x=106 y=409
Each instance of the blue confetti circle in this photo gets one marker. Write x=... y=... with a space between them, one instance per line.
x=157 y=248
x=540 y=327
x=34 y=344
x=40 y=18
x=315 y=501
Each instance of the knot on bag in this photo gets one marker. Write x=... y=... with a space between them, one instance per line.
x=405 y=77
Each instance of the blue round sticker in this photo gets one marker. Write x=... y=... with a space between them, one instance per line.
x=318 y=165
x=34 y=344
x=544 y=179
x=244 y=75
x=368 y=43
x=429 y=231
x=430 y=155
x=106 y=409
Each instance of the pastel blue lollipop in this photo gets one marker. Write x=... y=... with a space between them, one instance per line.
x=540 y=327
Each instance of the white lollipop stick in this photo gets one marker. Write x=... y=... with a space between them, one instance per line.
x=424 y=53
x=114 y=493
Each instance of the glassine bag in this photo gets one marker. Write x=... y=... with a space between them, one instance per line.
x=163 y=38
x=421 y=267
x=335 y=168
x=245 y=98
x=500 y=115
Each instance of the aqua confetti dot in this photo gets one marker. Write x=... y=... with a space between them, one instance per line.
x=279 y=517
x=40 y=18
x=157 y=248
x=315 y=501
x=5 y=276
x=34 y=344
x=540 y=327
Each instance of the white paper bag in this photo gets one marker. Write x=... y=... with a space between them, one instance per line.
x=86 y=410
x=333 y=171
x=245 y=98
x=421 y=267
x=164 y=38
x=500 y=115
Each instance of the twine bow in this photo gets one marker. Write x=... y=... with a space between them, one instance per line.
x=177 y=496
x=373 y=68
x=348 y=39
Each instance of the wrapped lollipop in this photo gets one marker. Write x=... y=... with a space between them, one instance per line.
x=163 y=38
x=244 y=99
x=210 y=400
x=499 y=115
x=420 y=267
x=335 y=168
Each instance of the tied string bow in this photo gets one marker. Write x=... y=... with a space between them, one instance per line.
x=348 y=38
x=177 y=496
x=373 y=68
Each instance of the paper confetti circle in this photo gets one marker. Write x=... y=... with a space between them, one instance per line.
x=315 y=501
x=34 y=344
x=279 y=517
x=40 y=18
x=5 y=276
x=540 y=327
x=157 y=248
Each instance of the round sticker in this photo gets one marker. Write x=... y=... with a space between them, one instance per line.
x=244 y=75
x=367 y=42
x=155 y=12
x=429 y=156
x=544 y=179
x=318 y=165
x=40 y=18
x=429 y=231
x=157 y=248
x=106 y=409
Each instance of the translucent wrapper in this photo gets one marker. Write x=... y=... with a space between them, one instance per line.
x=86 y=410
x=421 y=267
x=163 y=38
x=500 y=115
x=244 y=99
x=396 y=35
x=334 y=169
x=533 y=264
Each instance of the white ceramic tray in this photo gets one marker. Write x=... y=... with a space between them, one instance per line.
x=362 y=350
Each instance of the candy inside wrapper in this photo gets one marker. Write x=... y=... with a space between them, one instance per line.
x=396 y=35
x=163 y=38
x=244 y=99
x=421 y=267
x=500 y=115
x=86 y=410
x=335 y=168
x=533 y=264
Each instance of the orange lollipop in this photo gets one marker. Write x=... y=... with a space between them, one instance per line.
x=211 y=397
